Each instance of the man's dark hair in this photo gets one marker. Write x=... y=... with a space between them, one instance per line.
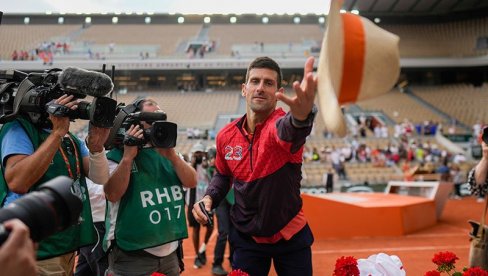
x=267 y=63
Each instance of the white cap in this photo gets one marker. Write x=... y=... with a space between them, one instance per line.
x=198 y=147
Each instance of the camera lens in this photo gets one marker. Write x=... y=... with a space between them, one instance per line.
x=50 y=209
x=163 y=134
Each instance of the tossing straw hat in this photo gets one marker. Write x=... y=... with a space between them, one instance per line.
x=358 y=61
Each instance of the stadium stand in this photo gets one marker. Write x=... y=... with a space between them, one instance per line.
x=166 y=38
x=399 y=106
x=451 y=39
x=247 y=38
x=462 y=101
x=29 y=37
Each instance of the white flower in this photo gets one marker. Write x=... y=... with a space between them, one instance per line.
x=381 y=265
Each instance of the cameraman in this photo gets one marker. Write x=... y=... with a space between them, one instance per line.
x=32 y=155
x=147 y=214
x=17 y=254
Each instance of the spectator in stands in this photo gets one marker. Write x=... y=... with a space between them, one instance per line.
x=315 y=155
x=32 y=155
x=328 y=180
x=384 y=131
x=196 y=133
x=377 y=131
x=111 y=47
x=201 y=51
x=477 y=130
x=452 y=128
x=65 y=48
x=267 y=218
x=408 y=171
x=459 y=158
x=146 y=204
x=458 y=179
x=444 y=171
x=362 y=131
x=189 y=133
x=15 y=55
x=407 y=128
x=398 y=131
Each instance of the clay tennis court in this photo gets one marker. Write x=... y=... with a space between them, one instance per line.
x=415 y=250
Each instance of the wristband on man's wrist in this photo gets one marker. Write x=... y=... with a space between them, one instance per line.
x=308 y=121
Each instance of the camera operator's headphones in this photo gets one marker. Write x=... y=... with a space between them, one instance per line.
x=124 y=111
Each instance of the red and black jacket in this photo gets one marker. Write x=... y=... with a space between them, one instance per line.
x=265 y=171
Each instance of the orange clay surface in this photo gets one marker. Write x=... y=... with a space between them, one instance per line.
x=415 y=249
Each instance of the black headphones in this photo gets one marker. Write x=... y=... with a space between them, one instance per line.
x=137 y=103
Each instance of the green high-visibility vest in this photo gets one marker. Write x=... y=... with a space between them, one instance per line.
x=151 y=212
x=74 y=236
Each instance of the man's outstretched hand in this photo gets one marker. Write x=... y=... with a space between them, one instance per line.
x=301 y=104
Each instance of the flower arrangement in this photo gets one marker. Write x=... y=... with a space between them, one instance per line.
x=446 y=263
x=378 y=264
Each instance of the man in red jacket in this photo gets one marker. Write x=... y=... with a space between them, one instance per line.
x=261 y=156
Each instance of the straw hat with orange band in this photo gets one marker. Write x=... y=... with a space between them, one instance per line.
x=358 y=61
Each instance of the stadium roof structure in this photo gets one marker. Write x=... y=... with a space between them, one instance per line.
x=428 y=10
x=387 y=11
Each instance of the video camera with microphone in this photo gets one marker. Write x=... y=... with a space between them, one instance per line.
x=33 y=94
x=161 y=134
x=52 y=208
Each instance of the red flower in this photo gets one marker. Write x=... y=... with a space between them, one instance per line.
x=445 y=258
x=432 y=273
x=445 y=261
x=346 y=266
x=237 y=272
x=157 y=274
x=475 y=271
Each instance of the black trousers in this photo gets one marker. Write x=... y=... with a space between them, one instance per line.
x=92 y=260
x=223 y=222
x=290 y=258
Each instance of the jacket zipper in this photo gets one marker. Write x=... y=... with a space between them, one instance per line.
x=250 y=150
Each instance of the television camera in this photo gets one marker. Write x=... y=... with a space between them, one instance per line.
x=33 y=95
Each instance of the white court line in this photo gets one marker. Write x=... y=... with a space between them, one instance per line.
x=361 y=250
x=385 y=249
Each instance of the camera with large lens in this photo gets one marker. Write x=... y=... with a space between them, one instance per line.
x=52 y=208
x=32 y=95
x=161 y=134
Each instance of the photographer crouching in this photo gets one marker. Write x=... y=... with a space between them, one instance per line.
x=32 y=155
x=145 y=193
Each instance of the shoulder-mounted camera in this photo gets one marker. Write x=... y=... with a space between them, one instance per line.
x=32 y=95
x=161 y=134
